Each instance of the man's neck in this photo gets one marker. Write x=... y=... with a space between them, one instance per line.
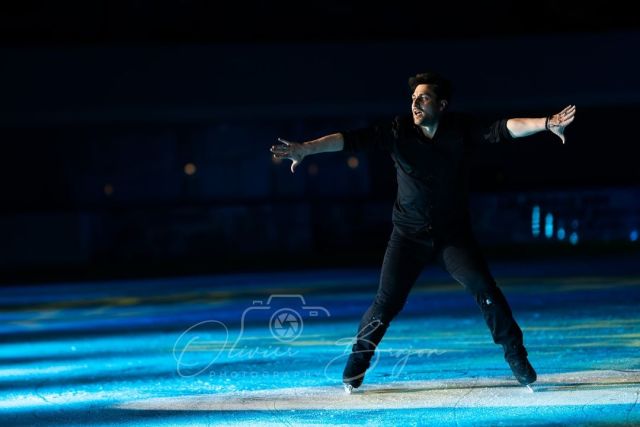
x=429 y=130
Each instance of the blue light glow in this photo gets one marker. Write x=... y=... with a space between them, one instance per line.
x=561 y=234
x=548 y=226
x=573 y=238
x=633 y=236
x=535 y=221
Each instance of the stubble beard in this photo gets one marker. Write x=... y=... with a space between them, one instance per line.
x=424 y=120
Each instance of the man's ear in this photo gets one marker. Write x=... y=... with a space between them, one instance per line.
x=444 y=104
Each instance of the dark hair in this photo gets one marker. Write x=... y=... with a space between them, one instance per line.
x=441 y=86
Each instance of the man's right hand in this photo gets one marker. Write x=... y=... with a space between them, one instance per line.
x=288 y=150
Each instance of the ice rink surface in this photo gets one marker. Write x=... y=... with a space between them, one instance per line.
x=269 y=348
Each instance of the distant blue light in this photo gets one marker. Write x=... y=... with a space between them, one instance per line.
x=573 y=238
x=535 y=221
x=633 y=236
x=548 y=226
x=561 y=233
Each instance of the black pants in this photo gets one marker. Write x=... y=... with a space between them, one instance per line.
x=404 y=260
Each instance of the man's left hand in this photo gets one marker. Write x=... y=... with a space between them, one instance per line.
x=558 y=122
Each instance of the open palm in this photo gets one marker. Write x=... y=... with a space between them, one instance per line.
x=288 y=150
x=559 y=122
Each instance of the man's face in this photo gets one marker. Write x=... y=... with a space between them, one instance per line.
x=425 y=106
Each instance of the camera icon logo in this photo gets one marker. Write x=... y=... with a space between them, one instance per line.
x=286 y=324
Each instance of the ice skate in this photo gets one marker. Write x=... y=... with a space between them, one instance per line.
x=348 y=388
x=353 y=374
x=522 y=370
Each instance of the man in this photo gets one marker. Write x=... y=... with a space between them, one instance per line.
x=431 y=216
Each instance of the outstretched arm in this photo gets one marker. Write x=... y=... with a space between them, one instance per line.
x=297 y=151
x=555 y=123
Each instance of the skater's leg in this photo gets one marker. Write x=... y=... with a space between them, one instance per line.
x=463 y=259
x=403 y=261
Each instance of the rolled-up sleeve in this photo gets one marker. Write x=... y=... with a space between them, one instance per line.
x=497 y=133
x=380 y=136
x=487 y=131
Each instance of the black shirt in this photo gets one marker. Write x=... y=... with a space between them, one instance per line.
x=432 y=196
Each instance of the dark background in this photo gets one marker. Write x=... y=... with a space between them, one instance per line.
x=104 y=103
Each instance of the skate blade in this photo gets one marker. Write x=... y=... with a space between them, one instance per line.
x=348 y=388
x=529 y=388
